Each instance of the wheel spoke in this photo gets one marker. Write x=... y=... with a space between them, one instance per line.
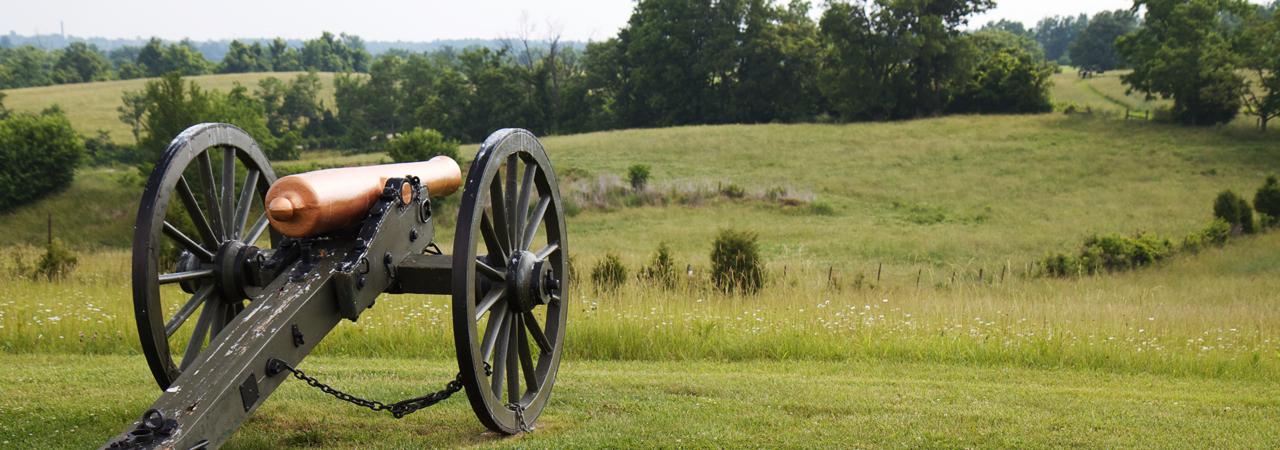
x=530 y=322
x=228 y=189
x=187 y=242
x=247 y=193
x=510 y=195
x=513 y=360
x=548 y=250
x=168 y=278
x=491 y=273
x=491 y=238
x=531 y=228
x=259 y=227
x=210 y=194
x=499 y=214
x=500 y=356
x=185 y=312
x=219 y=320
x=197 y=337
x=489 y=300
x=522 y=208
x=197 y=215
x=496 y=319
x=526 y=361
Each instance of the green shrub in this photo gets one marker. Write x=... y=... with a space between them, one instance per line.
x=1235 y=210
x=56 y=263
x=38 y=157
x=661 y=269
x=735 y=262
x=1215 y=234
x=1267 y=201
x=421 y=144
x=608 y=273
x=1060 y=265
x=638 y=176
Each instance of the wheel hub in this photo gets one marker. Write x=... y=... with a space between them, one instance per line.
x=530 y=281
x=228 y=269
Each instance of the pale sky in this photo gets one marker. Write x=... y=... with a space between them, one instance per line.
x=381 y=20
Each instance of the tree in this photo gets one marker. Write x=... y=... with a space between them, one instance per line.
x=421 y=144
x=889 y=59
x=38 y=157
x=283 y=57
x=132 y=111
x=1267 y=199
x=777 y=64
x=4 y=112
x=157 y=58
x=1183 y=52
x=1010 y=26
x=1261 y=51
x=1057 y=33
x=171 y=105
x=242 y=58
x=677 y=62
x=1009 y=75
x=81 y=63
x=25 y=66
x=1094 y=49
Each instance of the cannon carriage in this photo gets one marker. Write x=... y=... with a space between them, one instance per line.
x=237 y=276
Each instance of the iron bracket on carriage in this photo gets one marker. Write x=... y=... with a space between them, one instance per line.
x=237 y=276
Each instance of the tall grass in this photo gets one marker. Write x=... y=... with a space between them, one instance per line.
x=1212 y=315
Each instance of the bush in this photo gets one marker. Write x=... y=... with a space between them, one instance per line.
x=735 y=262
x=1215 y=234
x=421 y=144
x=57 y=262
x=1009 y=75
x=1267 y=200
x=38 y=157
x=1110 y=253
x=608 y=273
x=1235 y=211
x=638 y=176
x=661 y=269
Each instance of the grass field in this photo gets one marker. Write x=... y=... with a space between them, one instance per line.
x=687 y=404
x=92 y=106
x=906 y=348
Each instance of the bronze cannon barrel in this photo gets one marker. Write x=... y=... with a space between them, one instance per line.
x=312 y=203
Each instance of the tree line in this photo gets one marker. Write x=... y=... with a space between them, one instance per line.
x=80 y=62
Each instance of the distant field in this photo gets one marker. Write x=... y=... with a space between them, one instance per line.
x=92 y=106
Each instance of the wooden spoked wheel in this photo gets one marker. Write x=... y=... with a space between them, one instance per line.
x=509 y=272
x=200 y=217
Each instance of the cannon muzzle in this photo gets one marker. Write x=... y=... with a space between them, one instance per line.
x=312 y=203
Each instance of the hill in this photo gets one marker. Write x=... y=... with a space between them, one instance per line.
x=957 y=192
x=92 y=106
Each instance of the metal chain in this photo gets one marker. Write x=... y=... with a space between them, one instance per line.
x=518 y=409
x=397 y=409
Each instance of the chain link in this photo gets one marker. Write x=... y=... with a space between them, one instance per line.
x=397 y=409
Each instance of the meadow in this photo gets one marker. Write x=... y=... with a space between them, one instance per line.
x=903 y=312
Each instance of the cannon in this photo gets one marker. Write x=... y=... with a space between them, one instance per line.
x=237 y=276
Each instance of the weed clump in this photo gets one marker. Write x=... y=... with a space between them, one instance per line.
x=608 y=274
x=661 y=270
x=1109 y=253
x=735 y=262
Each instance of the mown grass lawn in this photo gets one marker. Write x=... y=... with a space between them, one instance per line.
x=74 y=401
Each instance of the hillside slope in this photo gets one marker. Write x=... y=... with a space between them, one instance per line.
x=957 y=191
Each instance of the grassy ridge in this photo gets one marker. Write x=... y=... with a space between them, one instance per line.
x=92 y=106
